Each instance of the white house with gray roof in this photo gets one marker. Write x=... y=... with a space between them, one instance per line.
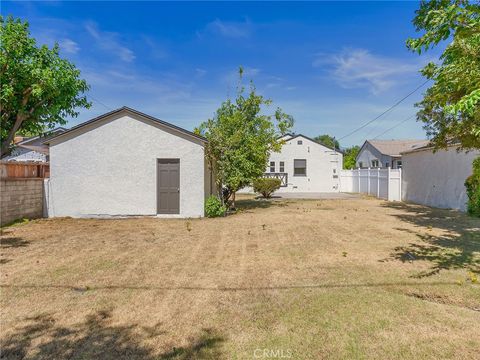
x=305 y=165
x=385 y=153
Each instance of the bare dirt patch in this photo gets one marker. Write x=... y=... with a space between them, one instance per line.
x=320 y=278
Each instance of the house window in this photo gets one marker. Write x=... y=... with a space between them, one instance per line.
x=299 y=167
x=272 y=166
x=360 y=164
x=299 y=142
x=282 y=166
x=387 y=164
x=399 y=164
x=374 y=163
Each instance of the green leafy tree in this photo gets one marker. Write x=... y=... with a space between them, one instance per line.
x=473 y=189
x=38 y=88
x=240 y=138
x=450 y=108
x=266 y=186
x=350 y=157
x=327 y=140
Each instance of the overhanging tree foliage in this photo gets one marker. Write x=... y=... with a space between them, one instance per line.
x=38 y=88
x=451 y=106
x=327 y=140
x=240 y=138
x=350 y=157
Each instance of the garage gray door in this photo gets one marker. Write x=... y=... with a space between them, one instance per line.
x=168 y=186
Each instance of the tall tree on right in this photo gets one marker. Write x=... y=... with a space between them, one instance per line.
x=450 y=108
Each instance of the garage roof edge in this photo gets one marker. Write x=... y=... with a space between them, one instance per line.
x=133 y=111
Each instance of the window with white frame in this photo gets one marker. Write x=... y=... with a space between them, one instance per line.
x=282 y=167
x=375 y=163
x=399 y=164
x=300 y=167
x=299 y=142
x=272 y=166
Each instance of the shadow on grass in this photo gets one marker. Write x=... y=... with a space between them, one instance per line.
x=458 y=248
x=251 y=204
x=13 y=242
x=258 y=203
x=96 y=338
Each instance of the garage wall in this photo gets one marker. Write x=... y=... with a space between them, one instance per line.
x=437 y=179
x=110 y=169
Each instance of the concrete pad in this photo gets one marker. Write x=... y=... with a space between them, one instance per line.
x=316 y=195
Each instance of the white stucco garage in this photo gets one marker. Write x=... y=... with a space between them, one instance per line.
x=127 y=163
x=437 y=178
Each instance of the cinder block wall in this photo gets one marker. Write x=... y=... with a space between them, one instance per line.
x=20 y=198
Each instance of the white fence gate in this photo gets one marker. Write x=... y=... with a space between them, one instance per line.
x=382 y=183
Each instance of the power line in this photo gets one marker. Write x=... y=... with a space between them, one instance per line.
x=101 y=103
x=386 y=111
x=395 y=126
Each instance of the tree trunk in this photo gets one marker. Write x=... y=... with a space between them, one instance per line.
x=11 y=134
x=233 y=200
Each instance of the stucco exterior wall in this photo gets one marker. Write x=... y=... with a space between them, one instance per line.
x=111 y=169
x=437 y=179
x=368 y=153
x=321 y=162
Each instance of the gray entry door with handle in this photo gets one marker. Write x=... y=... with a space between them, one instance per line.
x=168 y=186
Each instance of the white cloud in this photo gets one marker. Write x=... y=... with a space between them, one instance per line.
x=358 y=68
x=156 y=50
x=199 y=73
x=108 y=41
x=69 y=46
x=230 y=29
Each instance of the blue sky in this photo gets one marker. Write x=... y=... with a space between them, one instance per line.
x=333 y=66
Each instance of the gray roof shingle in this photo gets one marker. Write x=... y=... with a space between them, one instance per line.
x=396 y=147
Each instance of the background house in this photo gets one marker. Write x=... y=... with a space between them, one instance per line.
x=305 y=165
x=128 y=163
x=385 y=153
x=32 y=149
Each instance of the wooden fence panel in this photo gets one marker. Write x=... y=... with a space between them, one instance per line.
x=9 y=170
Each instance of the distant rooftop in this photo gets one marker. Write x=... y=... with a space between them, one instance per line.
x=396 y=147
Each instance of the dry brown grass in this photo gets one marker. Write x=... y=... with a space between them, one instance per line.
x=336 y=279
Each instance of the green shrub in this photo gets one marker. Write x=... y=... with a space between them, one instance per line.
x=266 y=186
x=214 y=207
x=473 y=189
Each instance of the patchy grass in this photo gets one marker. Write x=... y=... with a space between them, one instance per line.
x=16 y=222
x=337 y=279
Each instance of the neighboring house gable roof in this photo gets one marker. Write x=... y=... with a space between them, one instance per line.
x=131 y=112
x=33 y=148
x=395 y=147
x=40 y=139
x=294 y=136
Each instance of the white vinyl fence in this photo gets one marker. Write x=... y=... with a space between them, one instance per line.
x=382 y=183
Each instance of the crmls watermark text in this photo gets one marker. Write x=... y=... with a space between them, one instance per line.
x=272 y=353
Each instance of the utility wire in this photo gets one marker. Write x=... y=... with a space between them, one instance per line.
x=395 y=126
x=101 y=103
x=386 y=111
